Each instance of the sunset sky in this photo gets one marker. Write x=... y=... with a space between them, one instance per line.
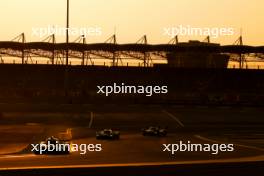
x=131 y=19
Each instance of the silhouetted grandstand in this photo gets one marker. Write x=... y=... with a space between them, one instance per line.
x=78 y=85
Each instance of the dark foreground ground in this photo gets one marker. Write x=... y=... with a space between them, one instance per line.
x=242 y=169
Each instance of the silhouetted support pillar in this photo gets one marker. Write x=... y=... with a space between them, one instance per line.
x=66 y=76
x=113 y=40
x=23 y=56
x=51 y=39
x=53 y=57
x=83 y=53
x=83 y=58
x=241 y=61
x=115 y=63
x=115 y=60
x=174 y=40
x=207 y=39
x=23 y=50
x=241 y=56
x=239 y=41
x=143 y=40
x=53 y=51
x=145 y=59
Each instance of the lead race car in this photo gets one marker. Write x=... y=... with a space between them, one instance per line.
x=52 y=146
x=108 y=134
x=154 y=131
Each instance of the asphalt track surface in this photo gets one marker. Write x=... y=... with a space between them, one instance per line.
x=134 y=150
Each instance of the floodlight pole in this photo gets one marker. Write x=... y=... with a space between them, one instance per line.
x=67 y=33
x=66 y=77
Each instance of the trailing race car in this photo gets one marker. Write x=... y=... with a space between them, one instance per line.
x=53 y=146
x=107 y=134
x=154 y=131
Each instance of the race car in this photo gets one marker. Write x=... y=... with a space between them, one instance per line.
x=53 y=146
x=107 y=134
x=154 y=131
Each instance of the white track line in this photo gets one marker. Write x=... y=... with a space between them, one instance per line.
x=173 y=117
x=91 y=120
x=17 y=156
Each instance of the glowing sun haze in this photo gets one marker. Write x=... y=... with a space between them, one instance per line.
x=131 y=19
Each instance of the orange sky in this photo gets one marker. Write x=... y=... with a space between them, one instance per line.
x=134 y=18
